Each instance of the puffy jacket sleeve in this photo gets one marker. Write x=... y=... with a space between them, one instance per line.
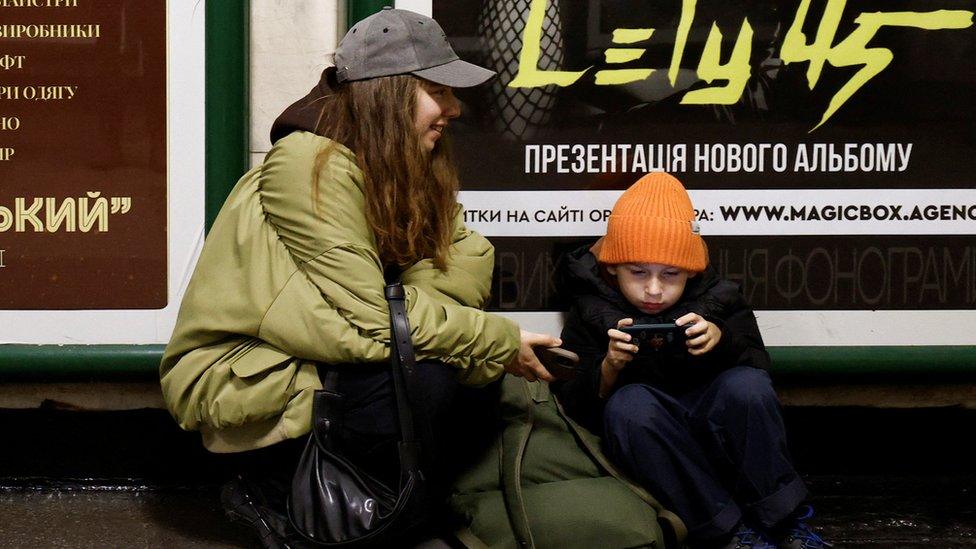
x=741 y=343
x=326 y=232
x=467 y=279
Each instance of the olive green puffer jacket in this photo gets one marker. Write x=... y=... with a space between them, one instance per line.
x=284 y=283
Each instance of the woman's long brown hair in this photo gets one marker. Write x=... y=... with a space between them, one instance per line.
x=411 y=194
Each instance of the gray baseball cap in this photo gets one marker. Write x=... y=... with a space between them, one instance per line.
x=403 y=42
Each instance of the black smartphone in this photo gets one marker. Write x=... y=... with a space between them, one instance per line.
x=656 y=337
x=561 y=363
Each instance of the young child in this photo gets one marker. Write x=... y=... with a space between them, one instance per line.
x=698 y=424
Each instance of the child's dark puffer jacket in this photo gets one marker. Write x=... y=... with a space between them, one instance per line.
x=596 y=306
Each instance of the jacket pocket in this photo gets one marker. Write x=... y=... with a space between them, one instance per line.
x=256 y=357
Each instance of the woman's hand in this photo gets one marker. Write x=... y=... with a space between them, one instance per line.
x=526 y=364
x=620 y=351
x=702 y=335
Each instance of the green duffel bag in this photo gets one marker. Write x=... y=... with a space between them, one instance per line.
x=545 y=483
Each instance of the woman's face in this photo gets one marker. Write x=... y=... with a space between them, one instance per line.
x=436 y=105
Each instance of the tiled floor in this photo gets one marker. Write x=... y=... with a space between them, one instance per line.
x=879 y=512
x=879 y=478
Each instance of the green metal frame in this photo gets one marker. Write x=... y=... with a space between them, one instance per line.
x=115 y=362
x=884 y=361
x=357 y=10
x=227 y=100
x=59 y=363
x=227 y=158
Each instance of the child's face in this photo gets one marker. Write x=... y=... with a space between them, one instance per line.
x=651 y=287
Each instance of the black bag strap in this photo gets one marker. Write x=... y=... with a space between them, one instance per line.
x=403 y=372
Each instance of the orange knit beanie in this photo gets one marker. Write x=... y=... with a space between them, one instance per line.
x=654 y=222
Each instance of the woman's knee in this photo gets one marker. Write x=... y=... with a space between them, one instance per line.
x=438 y=386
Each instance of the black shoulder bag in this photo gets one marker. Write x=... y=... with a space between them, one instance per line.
x=332 y=502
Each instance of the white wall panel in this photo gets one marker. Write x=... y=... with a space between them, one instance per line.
x=292 y=41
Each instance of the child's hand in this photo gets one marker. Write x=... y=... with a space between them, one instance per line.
x=620 y=351
x=702 y=335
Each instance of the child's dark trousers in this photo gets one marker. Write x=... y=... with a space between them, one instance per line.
x=716 y=454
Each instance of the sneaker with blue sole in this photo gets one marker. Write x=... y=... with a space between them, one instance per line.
x=746 y=537
x=799 y=535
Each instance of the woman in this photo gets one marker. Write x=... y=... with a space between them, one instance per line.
x=289 y=286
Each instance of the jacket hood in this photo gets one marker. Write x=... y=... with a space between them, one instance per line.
x=580 y=274
x=303 y=115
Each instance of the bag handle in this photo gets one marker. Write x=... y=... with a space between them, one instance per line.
x=402 y=370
